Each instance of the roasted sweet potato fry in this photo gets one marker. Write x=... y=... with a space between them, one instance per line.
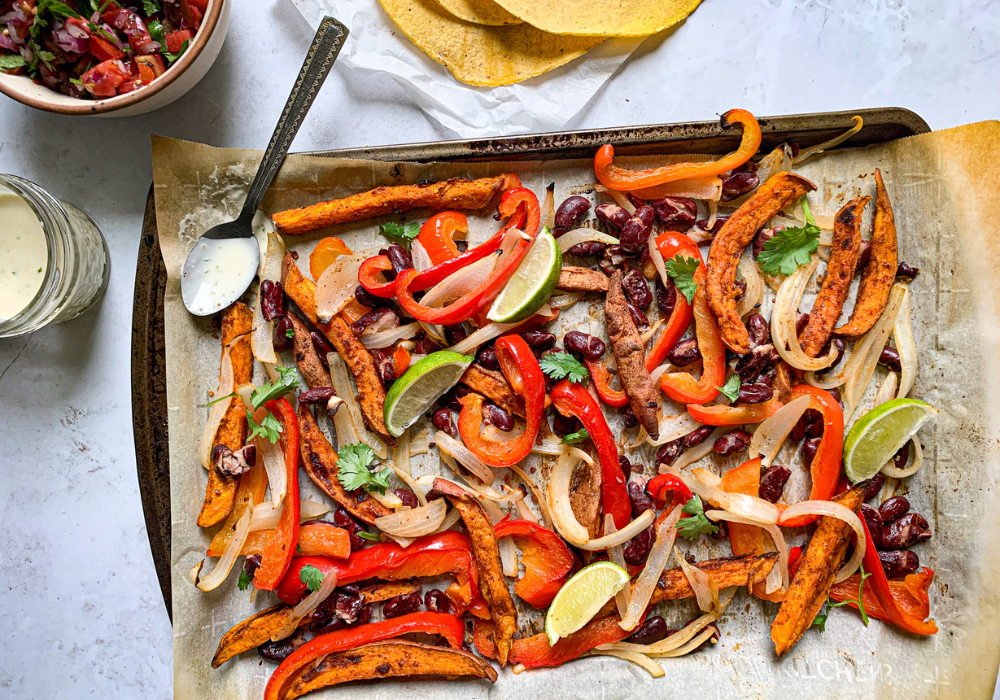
x=377 y=592
x=320 y=461
x=631 y=357
x=880 y=273
x=744 y=571
x=237 y=322
x=371 y=393
x=782 y=383
x=811 y=585
x=736 y=234
x=581 y=279
x=487 y=554
x=251 y=633
x=839 y=272
x=494 y=386
x=436 y=196
x=306 y=358
x=389 y=659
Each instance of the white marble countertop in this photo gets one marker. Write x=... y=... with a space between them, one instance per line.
x=80 y=610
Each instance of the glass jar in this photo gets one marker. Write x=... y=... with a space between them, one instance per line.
x=78 y=261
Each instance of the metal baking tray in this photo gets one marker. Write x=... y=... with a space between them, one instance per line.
x=149 y=395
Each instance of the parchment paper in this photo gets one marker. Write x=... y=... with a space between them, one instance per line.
x=943 y=187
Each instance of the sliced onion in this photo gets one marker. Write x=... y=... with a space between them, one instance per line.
x=274 y=465
x=673 y=641
x=778 y=578
x=384 y=339
x=550 y=448
x=418 y=254
x=262 y=342
x=557 y=495
x=783 y=317
x=401 y=454
x=673 y=427
x=654 y=669
x=535 y=492
x=482 y=335
x=415 y=522
x=217 y=411
x=860 y=368
x=622 y=536
x=434 y=330
x=755 y=286
x=225 y=563
x=267 y=518
x=657 y=258
x=619 y=198
x=778 y=160
x=306 y=606
x=705 y=188
x=887 y=391
x=508 y=556
x=647 y=334
x=583 y=235
x=411 y=484
x=706 y=477
x=902 y=333
x=693 y=454
x=713 y=213
x=341 y=380
x=335 y=287
x=840 y=512
x=771 y=434
x=617 y=555
x=654 y=376
x=449 y=520
x=549 y=207
x=699 y=582
x=918 y=461
x=460 y=452
x=485 y=493
x=564 y=301
x=752 y=507
x=460 y=283
x=492 y=510
x=642 y=593
x=709 y=492
x=388 y=499
x=691 y=646
x=524 y=511
x=418 y=443
x=805 y=155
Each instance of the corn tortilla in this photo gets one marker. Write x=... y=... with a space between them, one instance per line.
x=601 y=17
x=480 y=55
x=479 y=12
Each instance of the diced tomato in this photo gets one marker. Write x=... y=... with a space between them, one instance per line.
x=146 y=73
x=103 y=50
x=155 y=63
x=110 y=15
x=196 y=15
x=200 y=4
x=175 y=40
x=104 y=79
x=130 y=85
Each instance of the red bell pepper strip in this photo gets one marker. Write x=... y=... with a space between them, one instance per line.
x=535 y=652
x=602 y=383
x=368 y=277
x=662 y=485
x=624 y=180
x=891 y=609
x=826 y=465
x=448 y=626
x=546 y=558
x=521 y=368
x=278 y=552
x=671 y=243
x=437 y=235
x=432 y=555
x=910 y=595
x=740 y=414
x=681 y=386
x=574 y=400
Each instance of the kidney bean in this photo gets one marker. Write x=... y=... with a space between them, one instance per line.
x=732 y=442
x=894 y=508
x=323 y=348
x=612 y=216
x=629 y=417
x=875 y=485
x=625 y=465
x=444 y=420
x=716 y=227
x=864 y=256
x=772 y=483
x=452 y=396
x=606 y=266
x=762 y=237
x=809 y=448
x=754 y=393
x=651 y=631
x=640 y=500
x=758 y=329
x=835 y=393
x=801 y=321
x=539 y=340
x=756 y=361
x=495 y=415
x=383 y=365
x=635 y=233
x=282 y=649
x=902 y=457
x=636 y=289
x=343 y=519
x=345 y=605
x=320 y=394
x=637 y=550
x=696 y=437
x=251 y=564
x=638 y=316
x=814 y=424
x=425 y=346
x=402 y=605
x=455 y=333
x=569 y=212
x=685 y=352
x=679 y=212
x=840 y=345
x=366 y=298
x=588 y=249
x=767 y=376
x=564 y=425
x=890 y=358
x=799 y=430
x=487 y=357
x=279 y=338
x=905 y=270
x=365 y=616
x=407 y=497
x=874 y=522
x=899 y=563
x=359 y=326
x=905 y=532
x=666 y=297
x=585 y=346
x=669 y=452
x=738 y=184
x=436 y=601
x=399 y=258
x=723 y=532
x=716 y=633
x=272 y=300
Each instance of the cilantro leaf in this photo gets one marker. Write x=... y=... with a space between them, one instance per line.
x=859 y=603
x=370 y=536
x=171 y=57
x=274 y=390
x=12 y=61
x=155 y=29
x=403 y=234
x=578 y=436
x=562 y=365
x=681 y=270
x=151 y=7
x=221 y=398
x=698 y=523
x=820 y=621
x=45 y=56
x=245 y=580
x=312 y=577
x=56 y=8
x=731 y=389
x=269 y=428
x=353 y=471
x=790 y=247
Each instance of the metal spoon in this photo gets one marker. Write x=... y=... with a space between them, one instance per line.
x=223 y=262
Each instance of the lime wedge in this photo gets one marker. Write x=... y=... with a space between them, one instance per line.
x=532 y=284
x=582 y=597
x=880 y=433
x=425 y=382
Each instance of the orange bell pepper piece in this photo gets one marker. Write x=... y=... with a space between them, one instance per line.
x=325 y=254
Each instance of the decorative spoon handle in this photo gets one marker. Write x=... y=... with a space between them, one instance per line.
x=323 y=52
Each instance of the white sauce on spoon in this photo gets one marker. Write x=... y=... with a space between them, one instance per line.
x=220 y=273
x=24 y=255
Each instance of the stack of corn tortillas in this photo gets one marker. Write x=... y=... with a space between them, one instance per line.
x=500 y=42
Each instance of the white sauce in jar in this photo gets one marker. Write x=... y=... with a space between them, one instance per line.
x=24 y=255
